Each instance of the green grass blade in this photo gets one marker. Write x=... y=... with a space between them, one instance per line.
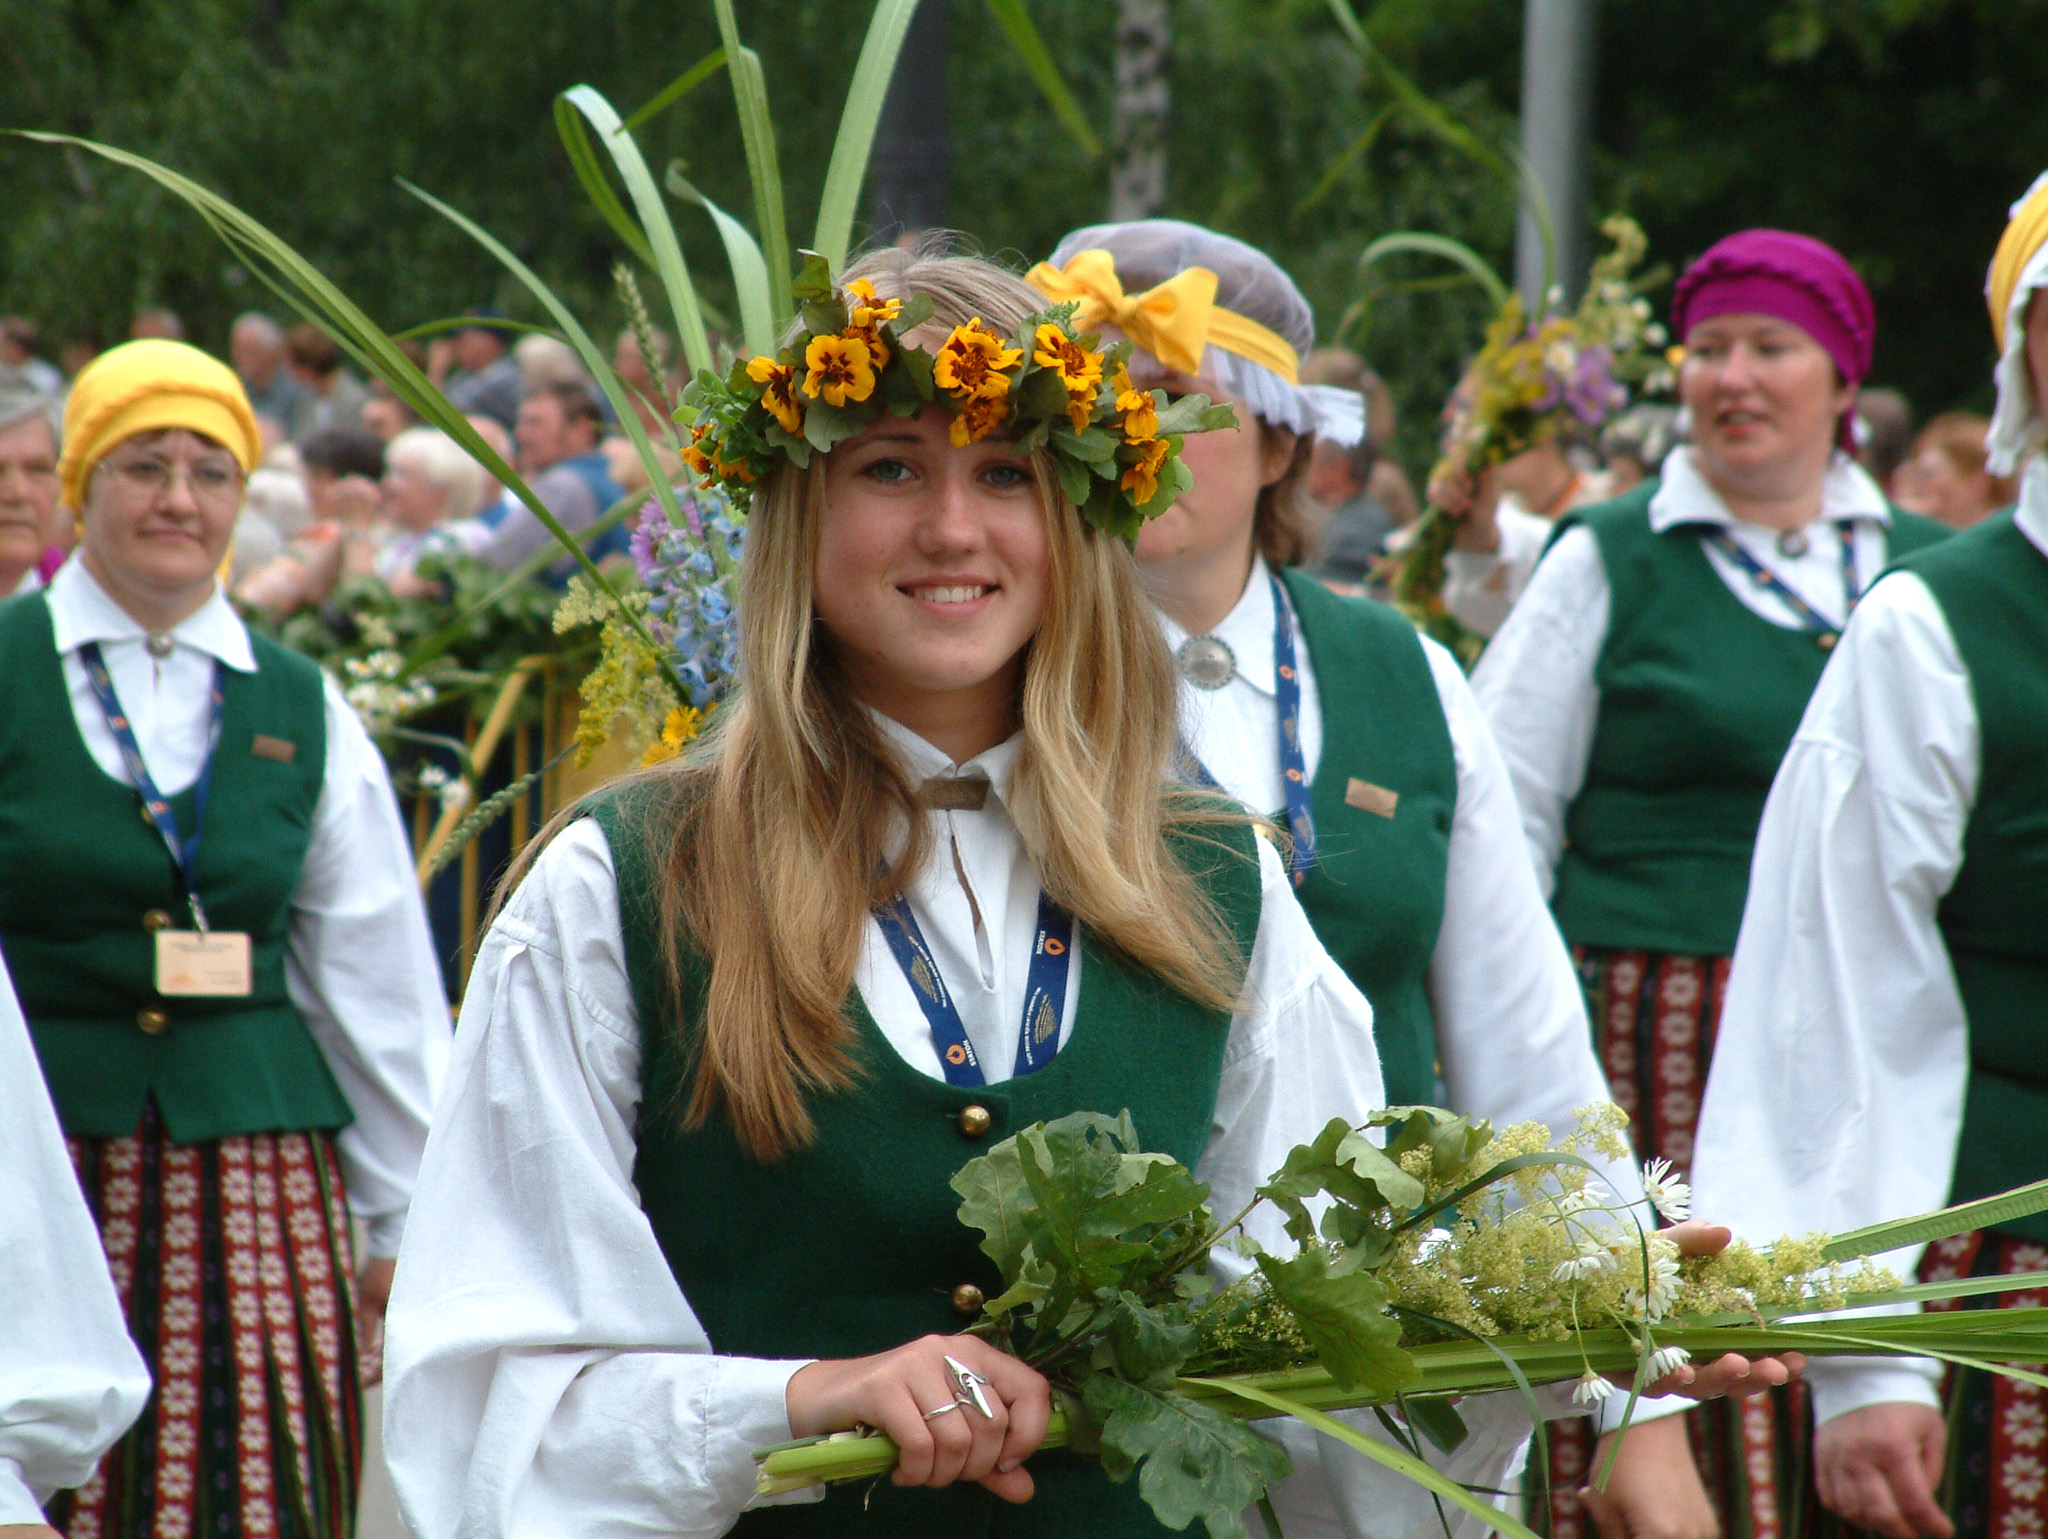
x=1348 y=24
x=749 y=268
x=757 y=132
x=856 y=141
x=678 y=88
x=1984 y=1213
x=1030 y=47
x=1395 y=1459
x=666 y=256
x=590 y=172
x=1443 y=246
x=1355 y=152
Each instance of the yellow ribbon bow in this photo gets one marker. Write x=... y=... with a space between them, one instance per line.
x=2027 y=233
x=1170 y=320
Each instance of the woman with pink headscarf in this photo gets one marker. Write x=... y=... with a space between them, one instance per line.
x=1647 y=686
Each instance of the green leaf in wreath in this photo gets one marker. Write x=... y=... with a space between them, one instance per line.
x=826 y=425
x=1144 y=1345
x=1192 y=1461
x=1343 y=1315
x=1436 y=1418
x=996 y=1199
x=1342 y=1164
x=814 y=281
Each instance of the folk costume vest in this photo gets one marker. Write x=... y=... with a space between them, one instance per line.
x=1385 y=791
x=853 y=1245
x=85 y=881
x=1992 y=585
x=1699 y=698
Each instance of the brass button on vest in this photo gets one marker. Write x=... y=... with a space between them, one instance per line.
x=156 y=1022
x=156 y=919
x=968 y=1299
x=975 y=1121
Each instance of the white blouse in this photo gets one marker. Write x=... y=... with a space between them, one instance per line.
x=546 y=1374
x=1535 y=682
x=71 y=1381
x=1836 y=1096
x=1513 y=1042
x=360 y=963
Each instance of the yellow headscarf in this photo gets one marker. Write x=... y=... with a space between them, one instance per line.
x=1173 y=321
x=2024 y=236
x=145 y=387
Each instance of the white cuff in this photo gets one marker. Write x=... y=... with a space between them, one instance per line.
x=1844 y=1384
x=1607 y=1414
x=753 y=1395
x=18 y=1502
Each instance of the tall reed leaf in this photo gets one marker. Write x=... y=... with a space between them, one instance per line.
x=678 y=88
x=749 y=269
x=856 y=141
x=1443 y=246
x=1023 y=34
x=757 y=131
x=666 y=254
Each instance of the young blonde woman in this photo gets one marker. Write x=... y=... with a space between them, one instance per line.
x=1335 y=718
x=732 y=1035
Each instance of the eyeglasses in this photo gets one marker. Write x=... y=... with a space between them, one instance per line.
x=150 y=478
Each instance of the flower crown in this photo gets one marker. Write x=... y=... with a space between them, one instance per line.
x=1117 y=447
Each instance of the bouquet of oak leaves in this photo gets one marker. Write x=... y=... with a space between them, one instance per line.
x=1435 y=1258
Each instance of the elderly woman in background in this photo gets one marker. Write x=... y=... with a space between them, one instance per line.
x=430 y=483
x=1649 y=681
x=28 y=490
x=1946 y=476
x=208 y=907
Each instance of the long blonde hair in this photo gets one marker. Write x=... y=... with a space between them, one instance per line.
x=773 y=841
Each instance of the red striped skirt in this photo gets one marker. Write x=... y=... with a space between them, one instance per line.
x=1655 y=1016
x=232 y=1261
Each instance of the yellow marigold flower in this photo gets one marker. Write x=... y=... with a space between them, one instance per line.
x=869 y=312
x=779 y=392
x=1078 y=368
x=683 y=723
x=1140 y=414
x=1142 y=479
x=1080 y=407
x=693 y=452
x=878 y=350
x=971 y=363
x=979 y=417
x=842 y=369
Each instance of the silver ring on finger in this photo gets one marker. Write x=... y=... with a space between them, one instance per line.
x=938 y=1411
x=970 y=1386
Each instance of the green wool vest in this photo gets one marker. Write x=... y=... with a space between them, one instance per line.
x=1992 y=585
x=854 y=1245
x=84 y=874
x=1699 y=698
x=1385 y=790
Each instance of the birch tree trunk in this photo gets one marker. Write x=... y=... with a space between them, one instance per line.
x=1137 y=178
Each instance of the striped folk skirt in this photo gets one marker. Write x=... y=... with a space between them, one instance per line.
x=232 y=1261
x=1655 y=1016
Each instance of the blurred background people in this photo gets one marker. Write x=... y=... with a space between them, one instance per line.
x=558 y=433
x=429 y=483
x=20 y=343
x=331 y=396
x=479 y=375
x=1945 y=477
x=630 y=364
x=28 y=489
x=341 y=468
x=1884 y=433
x=1340 y=477
x=1634 y=443
x=256 y=348
x=384 y=415
x=157 y=323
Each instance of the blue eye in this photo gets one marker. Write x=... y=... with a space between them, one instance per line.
x=1008 y=478
x=890 y=472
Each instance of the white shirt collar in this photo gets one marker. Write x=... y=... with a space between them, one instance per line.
x=1685 y=496
x=2032 y=516
x=82 y=611
x=1247 y=630
x=925 y=762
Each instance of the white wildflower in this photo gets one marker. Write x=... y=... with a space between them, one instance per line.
x=1591 y=1389
x=432 y=777
x=1666 y=1361
x=1671 y=1198
x=1594 y=1259
x=1663 y=1276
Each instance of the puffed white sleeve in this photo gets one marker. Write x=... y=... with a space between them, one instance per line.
x=1536 y=688
x=71 y=1381
x=545 y=1374
x=1481 y=588
x=1842 y=1025
x=360 y=967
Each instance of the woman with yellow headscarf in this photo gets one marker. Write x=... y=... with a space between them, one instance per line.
x=1884 y=1042
x=207 y=906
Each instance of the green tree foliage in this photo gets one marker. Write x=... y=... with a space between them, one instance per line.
x=1898 y=129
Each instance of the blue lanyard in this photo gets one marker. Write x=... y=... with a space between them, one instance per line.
x=1045 y=998
x=1301 y=823
x=1810 y=619
x=184 y=851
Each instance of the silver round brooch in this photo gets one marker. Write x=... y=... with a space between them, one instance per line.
x=1206 y=661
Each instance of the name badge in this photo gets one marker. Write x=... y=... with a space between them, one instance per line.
x=212 y=963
